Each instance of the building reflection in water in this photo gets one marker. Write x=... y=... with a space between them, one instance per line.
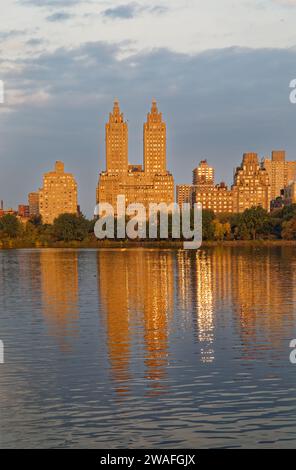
x=195 y=297
x=59 y=285
x=137 y=298
x=253 y=290
x=263 y=297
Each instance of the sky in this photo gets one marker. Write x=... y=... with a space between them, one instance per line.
x=220 y=71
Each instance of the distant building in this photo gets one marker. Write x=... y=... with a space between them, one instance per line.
x=58 y=195
x=290 y=193
x=217 y=198
x=184 y=194
x=203 y=175
x=277 y=203
x=23 y=211
x=251 y=185
x=33 y=200
x=151 y=184
x=280 y=171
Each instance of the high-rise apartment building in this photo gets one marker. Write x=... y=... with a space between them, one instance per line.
x=251 y=185
x=153 y=184
x=218 y=199
x=23 y=211
x=204 y=175
x=116 y=142
x=33 y=201
x=289 y=195
x=155 y=143
x=184 y=194
x=280 y=171
x=58 y=195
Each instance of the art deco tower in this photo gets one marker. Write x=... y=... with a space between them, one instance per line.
x=154 y=143
x=153 y=184
x=116 y=142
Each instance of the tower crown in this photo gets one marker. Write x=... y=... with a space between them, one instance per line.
x=116 y=116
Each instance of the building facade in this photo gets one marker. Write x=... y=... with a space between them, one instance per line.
x=151 y=184
x=204 y=175
x=184 y=194
x=33 y=201
x=290 y=193
x=218 y=199
x=280 y=171
x=251 y=185
x=23 y=210
x=58 y=194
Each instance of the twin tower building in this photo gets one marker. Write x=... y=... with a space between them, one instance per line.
x=147 y=183
x=151 y=183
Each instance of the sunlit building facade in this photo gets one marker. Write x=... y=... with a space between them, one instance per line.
x=218 y=198
x=184 y=194
x=251 y=185
x=151 y=184
x=280 y=171
x=58 y=194
x=33 y=201
x=204 y=175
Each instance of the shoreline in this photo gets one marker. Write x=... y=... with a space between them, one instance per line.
x=171 y=245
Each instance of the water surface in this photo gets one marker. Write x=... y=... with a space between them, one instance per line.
x=148 y=348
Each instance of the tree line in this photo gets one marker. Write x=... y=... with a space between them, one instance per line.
x=253 y=224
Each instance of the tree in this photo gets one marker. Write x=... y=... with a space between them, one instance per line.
x=207 y=224
x=221 y=230
x=68 y=227
x=254 y=220
x=10 y=226
x=289 y=212
x=289 y=230
x=36 y=220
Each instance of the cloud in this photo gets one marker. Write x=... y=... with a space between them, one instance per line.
x=217 y=105
x=5 y=35
x=127 y=11
x=59 y=17
x=131 y=10
x=35 y=42
x=288 y=3
x=52 y=3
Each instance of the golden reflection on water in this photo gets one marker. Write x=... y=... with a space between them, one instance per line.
x=138 y=292
x=143 y=293
x=59 y=287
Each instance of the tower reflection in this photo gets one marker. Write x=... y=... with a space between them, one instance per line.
x=59 y=286
x=137 y=298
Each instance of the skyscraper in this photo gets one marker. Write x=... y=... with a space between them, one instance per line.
x=153 y=184
x=204 y=175
x=251 y=185
x=58 y=195
x=154 y=143
x=280 y=171
x=116 y=142
x=33 y=200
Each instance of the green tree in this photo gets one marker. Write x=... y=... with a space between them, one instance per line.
x=10 y=226
x=68 y=227
x=207 y=224
x=36 y=220
x=255 y=220
x=289 y=229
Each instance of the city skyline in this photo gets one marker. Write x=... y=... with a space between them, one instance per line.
x=151 y=181
x=223 y=87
